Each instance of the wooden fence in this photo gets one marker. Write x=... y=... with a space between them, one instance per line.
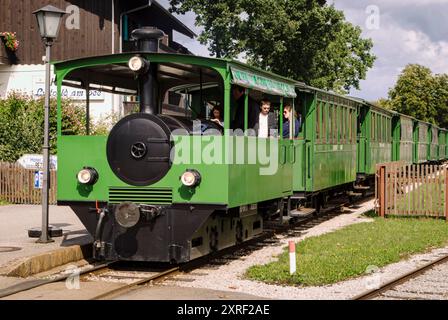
x=17 y=185
x=411 y=190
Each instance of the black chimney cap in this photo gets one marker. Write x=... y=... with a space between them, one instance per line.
x=146 y=33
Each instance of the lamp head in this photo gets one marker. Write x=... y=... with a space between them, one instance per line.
x=49 y=21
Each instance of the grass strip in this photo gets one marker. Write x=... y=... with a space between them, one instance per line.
x=348 y=252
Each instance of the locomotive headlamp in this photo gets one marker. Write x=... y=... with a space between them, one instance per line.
x=137 y=64
x=87 y=176
x=191 y=178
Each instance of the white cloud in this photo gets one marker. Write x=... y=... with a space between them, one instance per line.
x=410 y=32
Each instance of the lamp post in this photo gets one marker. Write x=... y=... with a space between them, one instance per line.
x=49 y=21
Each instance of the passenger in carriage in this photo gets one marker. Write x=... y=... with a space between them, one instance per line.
x=287 y=110
x=266 y=120
x=253 y=110
x=216 y=116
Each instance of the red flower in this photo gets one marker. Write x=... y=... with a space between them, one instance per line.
x=10 y=40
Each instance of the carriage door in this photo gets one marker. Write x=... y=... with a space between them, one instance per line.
x=310 y=118
x=286 y=148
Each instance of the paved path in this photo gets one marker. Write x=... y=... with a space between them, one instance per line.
x=15 y=220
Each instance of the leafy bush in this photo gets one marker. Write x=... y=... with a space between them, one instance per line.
x=22 y=125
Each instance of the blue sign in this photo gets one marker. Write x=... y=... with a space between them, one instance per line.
x=38 y=177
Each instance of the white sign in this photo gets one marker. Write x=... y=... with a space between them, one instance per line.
x=35 y=161
x=38 y=178
x=69 y=93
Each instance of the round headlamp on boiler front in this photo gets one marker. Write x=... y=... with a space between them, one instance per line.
x=137 y=64
x=191 y=178
x=87 y=176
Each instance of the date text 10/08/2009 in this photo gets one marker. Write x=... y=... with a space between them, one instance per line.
x=225 y=309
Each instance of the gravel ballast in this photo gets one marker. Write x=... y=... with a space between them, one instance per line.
x=228 y=276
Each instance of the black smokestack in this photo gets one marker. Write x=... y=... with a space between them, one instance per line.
x=148 y=41
x=147 y=38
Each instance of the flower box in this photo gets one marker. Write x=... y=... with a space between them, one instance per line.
x=7 y=56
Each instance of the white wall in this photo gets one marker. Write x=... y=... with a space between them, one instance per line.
x=30 y=80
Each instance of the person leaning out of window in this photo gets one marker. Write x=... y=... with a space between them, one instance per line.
x=286 y=122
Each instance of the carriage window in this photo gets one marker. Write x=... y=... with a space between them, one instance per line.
x=345 y=123
x=318 y=121
x=334 y=115
x=330 y=123
x=324 y=122
x=350 y=127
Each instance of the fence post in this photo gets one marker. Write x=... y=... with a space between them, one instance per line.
x=382 y=191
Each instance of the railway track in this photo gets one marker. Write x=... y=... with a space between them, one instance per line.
x=396 y=288
x=136 y=275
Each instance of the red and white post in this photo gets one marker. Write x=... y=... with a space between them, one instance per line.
x=292 y=257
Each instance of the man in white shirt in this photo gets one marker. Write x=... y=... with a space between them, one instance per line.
x=263 y=120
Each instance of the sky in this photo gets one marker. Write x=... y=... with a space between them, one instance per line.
x=403 y=32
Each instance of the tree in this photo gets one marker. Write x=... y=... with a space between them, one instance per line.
x=220 y=20
x=441 y=100
x=382 y=103
x=415 y=93
x=306 y=40
x=22 y=123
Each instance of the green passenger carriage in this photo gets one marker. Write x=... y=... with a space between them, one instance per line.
x=402 y=136
x=326 y=148
x=374 y=138
x=442 y=144
x=433 y=136
x=421 y=141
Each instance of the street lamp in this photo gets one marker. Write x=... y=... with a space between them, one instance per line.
x=49 y=20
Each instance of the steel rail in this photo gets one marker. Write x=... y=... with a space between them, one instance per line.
x=32 y=284
x=131 y=286
x=373 y=293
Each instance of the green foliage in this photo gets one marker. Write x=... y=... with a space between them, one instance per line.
x=382 y=103
x=415 y=93
x=344 y=254
x=102 y=126
x=420 y=94
x=441 y=100
x=22 y=125
x=306 y=40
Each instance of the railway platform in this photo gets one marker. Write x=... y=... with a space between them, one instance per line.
x=21 y=256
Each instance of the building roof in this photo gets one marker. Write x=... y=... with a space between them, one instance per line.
x=157 y=9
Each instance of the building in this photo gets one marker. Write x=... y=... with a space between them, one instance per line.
x=89 y=28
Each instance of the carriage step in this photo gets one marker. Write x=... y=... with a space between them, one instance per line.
x=298 y=197
x=354 y=194
x=302 y=213
x=361 y=188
